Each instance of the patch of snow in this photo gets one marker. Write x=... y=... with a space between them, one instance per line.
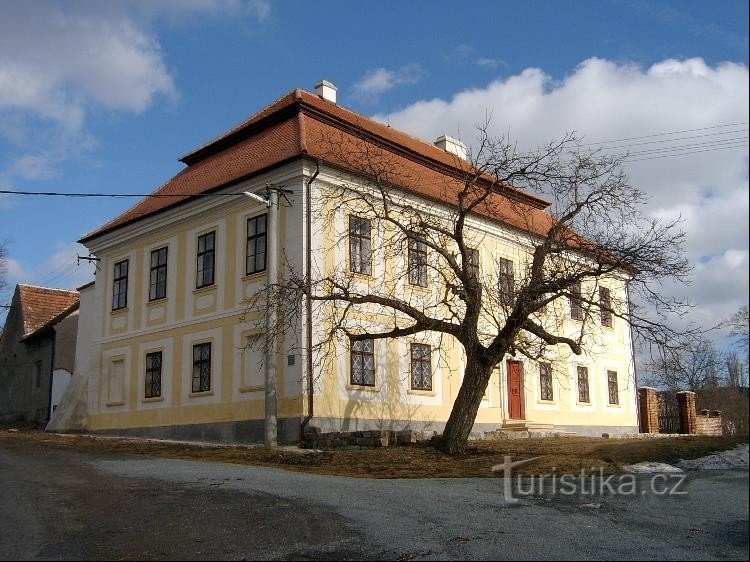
x=725 y=460
x=649 y=467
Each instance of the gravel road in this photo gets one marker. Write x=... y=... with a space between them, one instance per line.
x=60 y=504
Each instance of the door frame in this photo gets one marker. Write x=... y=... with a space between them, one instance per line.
x=520 y=390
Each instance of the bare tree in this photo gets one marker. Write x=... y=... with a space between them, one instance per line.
x=689 y=363
x=593 y=247
x=734 y=368
x=740 y=328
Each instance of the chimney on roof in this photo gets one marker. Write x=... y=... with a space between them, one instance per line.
x=326 y=90
x=453 y=146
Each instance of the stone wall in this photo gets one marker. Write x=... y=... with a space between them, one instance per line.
x=709 y=423
x=648 y=410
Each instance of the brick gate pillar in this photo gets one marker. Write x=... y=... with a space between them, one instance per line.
x=688 y=415
x=649 y=410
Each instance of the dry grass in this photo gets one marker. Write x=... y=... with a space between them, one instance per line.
x=564 y=455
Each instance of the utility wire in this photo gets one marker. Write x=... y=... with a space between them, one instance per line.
x=652 y=153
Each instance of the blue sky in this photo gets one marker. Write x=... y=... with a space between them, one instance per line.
x=103 y=97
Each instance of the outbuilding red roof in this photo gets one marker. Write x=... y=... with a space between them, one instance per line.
x=39 y=306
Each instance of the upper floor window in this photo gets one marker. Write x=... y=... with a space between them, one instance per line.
x=421 y=368
x=120 y=286
x=605 y=305
x=362 y=365
x=576 y=308
x=417 y=263
x=158 y=280
x=473 y=255
x=256 y=244
x=583 y=384
x=506 y=283
x=206 y=260
x=614 y=394
x=153 y=375
x=545 y=381
x=360 y=245
x=202 y=367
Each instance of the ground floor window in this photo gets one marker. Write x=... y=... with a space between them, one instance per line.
x=153 y=374
x=583 y=384
x=545 y=381
x=421 y=368
x=202 y=367
x=362 y=367
x=614 y=395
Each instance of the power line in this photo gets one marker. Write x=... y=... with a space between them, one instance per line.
x=669 y=133
x=115 y=195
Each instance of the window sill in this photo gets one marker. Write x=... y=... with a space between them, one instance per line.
x=116 y=311
x=588 y=404
x=250 y=277
x=356 y=387
x=153 y=399
x=206 y=289
x=116 y=403
x=361 y=276
x=614 y=405
x=155 y=302
x=417 y=392
x=255 y=388
x=547 y=402
x=202 y=393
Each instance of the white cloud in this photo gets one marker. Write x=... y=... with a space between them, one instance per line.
x=380 y=80
x=59 y=270
x=603 y=100
x=58 y=62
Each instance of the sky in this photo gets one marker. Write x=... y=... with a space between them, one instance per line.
x=105 y=96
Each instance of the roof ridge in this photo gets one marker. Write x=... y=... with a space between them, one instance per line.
x=47 y=288
x=242 y=124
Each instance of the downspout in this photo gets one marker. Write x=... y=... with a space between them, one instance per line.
x=51 y=377
x=308 y=299
x=632 y=358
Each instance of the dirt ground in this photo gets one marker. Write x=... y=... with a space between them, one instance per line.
x=560 y=455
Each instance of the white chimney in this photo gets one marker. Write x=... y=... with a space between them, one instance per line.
x=326 y=90
x=452 y=146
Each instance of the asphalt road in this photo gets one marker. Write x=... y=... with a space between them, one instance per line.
x=62 y=505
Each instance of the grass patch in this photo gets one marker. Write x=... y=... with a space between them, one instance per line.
x=564 y=455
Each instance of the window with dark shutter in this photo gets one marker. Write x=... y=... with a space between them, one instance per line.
x=360 y=245
x=206 y=260
x=506 y=281
x=576 y=308
x=417 y=258
x=545 y=381
x=614 y=395
x=583 y=384
x=120 y=286
x=158 y=276
x=605 y=305
x=256 y=244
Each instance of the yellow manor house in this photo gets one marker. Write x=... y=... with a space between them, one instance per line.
x=171 y=346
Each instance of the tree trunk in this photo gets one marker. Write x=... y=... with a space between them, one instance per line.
x=464 y=412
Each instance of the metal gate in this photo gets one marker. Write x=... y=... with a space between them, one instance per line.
x=669 y=412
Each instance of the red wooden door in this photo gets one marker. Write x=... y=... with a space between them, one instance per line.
x=515 y=375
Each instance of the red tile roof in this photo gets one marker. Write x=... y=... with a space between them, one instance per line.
x=303 y=124
x=39 y=306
